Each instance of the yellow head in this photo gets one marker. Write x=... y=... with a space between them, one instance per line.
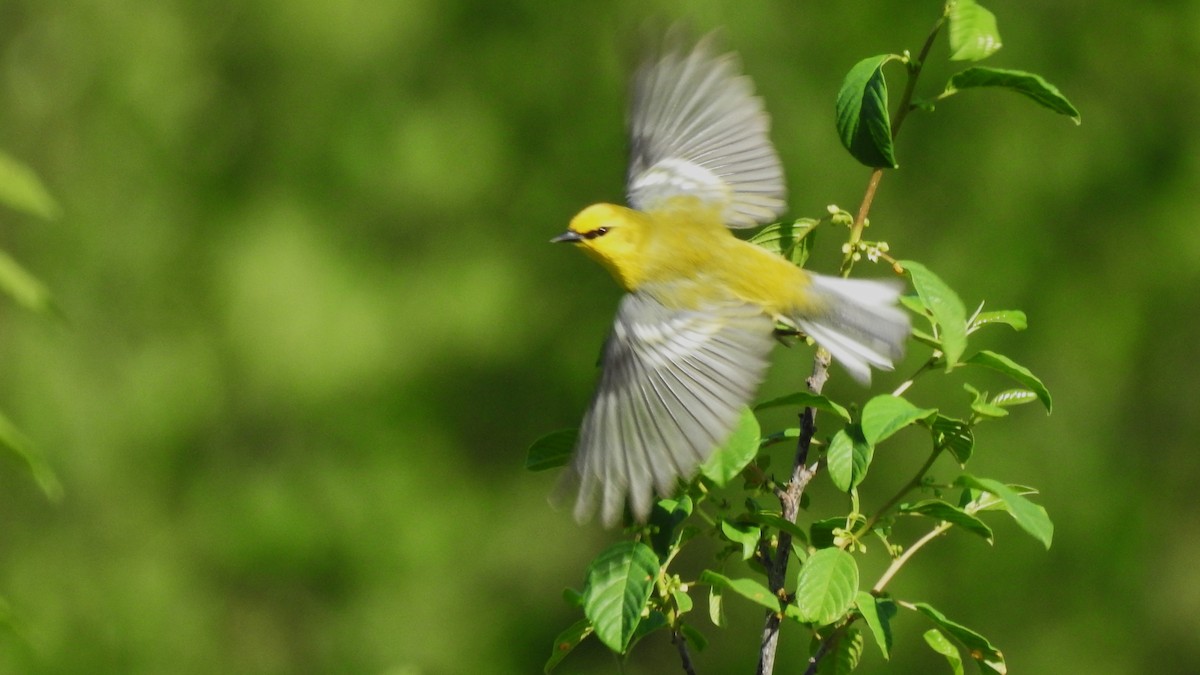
x=613 y=235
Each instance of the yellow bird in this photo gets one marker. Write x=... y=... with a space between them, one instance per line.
x=691 y=339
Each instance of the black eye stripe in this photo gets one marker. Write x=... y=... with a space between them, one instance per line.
x=592 y=234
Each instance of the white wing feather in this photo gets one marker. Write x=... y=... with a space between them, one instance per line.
x=861 y=325
x=673 y=387
x=697 y=129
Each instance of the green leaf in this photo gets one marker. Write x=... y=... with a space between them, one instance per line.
x=826 y=587
x=792 y=240
x=727 y=462
x=747 y=588
x=806 y=399
x=1014 y=318
x=683 y=601
x=980 y=404
x=913 y=303
x=21 y=189
x=821 y=531
x=15 y=442
x=745 y=535
x=778 y=522
x=1034 y=86
x=552 y=450
x=1016 y=371
x=567 y=641
x=716 y=608
x=885 y=414
x=572 y=597
x=954 y=435
x=862 y=113
x=878 y=613
x=1030 y=516
x=973 y=34
x=977 y=646
x=844 y=657
x=693 y=636
x=619 y=582
x=940 y=510
x=654 y=621
x=23 y=286
x=945 y=307
x=665 y=518
x=1012 y=397
x=940 y=644
x=848 y=457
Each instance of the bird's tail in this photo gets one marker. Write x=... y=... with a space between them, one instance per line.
x=860 y=324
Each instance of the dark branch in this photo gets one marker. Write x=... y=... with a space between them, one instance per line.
x=685 y=658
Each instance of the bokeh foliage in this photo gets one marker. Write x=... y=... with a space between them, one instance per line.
x=310 y=321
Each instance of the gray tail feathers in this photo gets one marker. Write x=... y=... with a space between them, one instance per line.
x=859 y=323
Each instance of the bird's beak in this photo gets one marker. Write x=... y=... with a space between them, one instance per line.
x=570 y=236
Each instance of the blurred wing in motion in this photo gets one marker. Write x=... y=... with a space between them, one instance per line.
x=672 y=389
x=859 y=324
x=697 y=130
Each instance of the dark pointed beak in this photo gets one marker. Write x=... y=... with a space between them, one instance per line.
x=570 y=236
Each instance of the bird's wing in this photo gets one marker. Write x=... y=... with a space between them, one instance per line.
x=696 y=129
x=673 y=386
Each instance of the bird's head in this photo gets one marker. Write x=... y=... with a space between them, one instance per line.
x=612 y=235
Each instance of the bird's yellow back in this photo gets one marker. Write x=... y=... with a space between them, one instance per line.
x=684 y=255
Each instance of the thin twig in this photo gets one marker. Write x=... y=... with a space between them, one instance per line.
x=789 y=499
x=908 y=553
x=685 y=658
x=902 y=110
x=911 y=485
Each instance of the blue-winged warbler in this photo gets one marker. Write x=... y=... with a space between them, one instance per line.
x=691 y=339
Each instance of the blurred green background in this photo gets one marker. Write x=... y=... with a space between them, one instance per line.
x=312 y=322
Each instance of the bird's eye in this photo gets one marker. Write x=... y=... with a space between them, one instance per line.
x=598 y=232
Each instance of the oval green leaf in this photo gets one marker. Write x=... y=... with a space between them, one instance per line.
x=826 y=587
x=694 y=636
x=21 y=189
x=953 y=435
x=566 y=641
x=878 y=613
x=862 y=113
x=552 y=450
x=848 y=457
x=727 y=462
x=1000 y=362
x=885 y=414
x=977 y=646
x=941 y=510
x=747 y=588
x=1030 y=516
x=780 y=523
x=973 y=33
x=944 y=306
x=1028 y=84
x=743 y=534
x=619 y=582
x=806 y=399
x=22 y=286
x=716 y=610
x=942 y=645
x=1012 y=397
x=1013 y=318
x=17 y=443
x=791 y=240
